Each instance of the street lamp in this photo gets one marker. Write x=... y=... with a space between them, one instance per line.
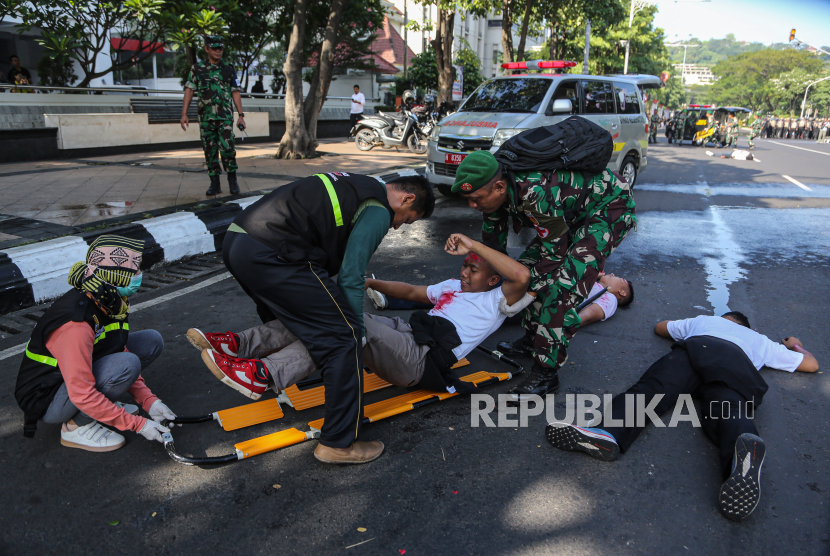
x=804 y=102
x=683 y=67
x=637 y=6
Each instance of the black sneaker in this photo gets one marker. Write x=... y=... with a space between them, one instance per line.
x=522 y=346
x=595 y=442
x=742 y=490
x=538 y=382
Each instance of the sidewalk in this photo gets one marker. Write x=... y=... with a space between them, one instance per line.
x=41 y=200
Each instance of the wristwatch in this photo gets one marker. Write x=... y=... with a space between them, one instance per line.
x=241 y=114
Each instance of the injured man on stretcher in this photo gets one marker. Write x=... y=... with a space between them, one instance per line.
x=465 y=312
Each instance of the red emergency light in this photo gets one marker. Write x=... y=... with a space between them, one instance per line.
x=701 y=105
x=538 y=65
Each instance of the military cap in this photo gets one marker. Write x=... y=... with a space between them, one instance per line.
x=475 y=171
x=213 y=41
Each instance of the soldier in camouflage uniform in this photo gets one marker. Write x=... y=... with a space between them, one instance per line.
x=679 y=128
x=732 y=132
x=216 y=85
x=755 y=132
x=655 y=123
x=565 y=258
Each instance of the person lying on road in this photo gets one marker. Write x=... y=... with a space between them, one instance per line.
x=464 y=313
x=82 y=356
x=716 y=360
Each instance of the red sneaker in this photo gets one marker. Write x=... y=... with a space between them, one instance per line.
x=226 y=343
x=247 y=376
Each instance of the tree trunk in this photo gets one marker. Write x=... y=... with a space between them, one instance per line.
x=191 y=55
x=321 y=80
x=442 y=43
x=525 y=23
x=507 y=30
x=295 y=142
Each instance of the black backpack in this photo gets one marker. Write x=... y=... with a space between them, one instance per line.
x=574 y=144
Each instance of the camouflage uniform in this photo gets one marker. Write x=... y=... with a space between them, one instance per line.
x=756 y=131
x=564 y=265
x=732 y=134
x=214 y=84
x=679 y=125
x=652 y=131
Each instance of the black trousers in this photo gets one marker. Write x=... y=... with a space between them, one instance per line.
x=304 y=298
x=724 y=408
x=354 y=118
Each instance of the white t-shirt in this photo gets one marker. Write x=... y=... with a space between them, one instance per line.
x=607 y=301
x=762 y=351
x=358 y=100
x=475 y=315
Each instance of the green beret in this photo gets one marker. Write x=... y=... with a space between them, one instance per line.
x=213 y=41
x=475 y=171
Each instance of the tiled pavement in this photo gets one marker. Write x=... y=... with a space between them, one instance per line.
x=40 y=200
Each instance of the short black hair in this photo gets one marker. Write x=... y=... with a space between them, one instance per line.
x=629 y=299
x=13 y=56
x=357 y=86
x=421 y=188
x=738 y=316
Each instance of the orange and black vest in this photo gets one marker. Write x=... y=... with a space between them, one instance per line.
x=40 y=376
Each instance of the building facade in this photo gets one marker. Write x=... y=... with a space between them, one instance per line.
x=694 y=75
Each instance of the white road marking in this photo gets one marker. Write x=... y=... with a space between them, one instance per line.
x=12 y=351
x=798 y=183
x=799 y=148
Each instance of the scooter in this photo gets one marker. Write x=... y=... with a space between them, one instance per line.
x=387 y=131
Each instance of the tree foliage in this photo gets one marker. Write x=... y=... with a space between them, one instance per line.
x=470 y=64
x=753 y=79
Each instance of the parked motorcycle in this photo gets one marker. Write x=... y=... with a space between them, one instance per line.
x=392 y=130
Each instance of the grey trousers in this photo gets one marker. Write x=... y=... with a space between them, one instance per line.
x=114 y=375
x=390 y=352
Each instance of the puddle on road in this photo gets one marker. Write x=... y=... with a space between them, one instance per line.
x=783 y=190
x=107 y=209
x=723 y=267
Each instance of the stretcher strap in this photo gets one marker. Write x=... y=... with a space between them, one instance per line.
x=313 y=397
x=412 y=400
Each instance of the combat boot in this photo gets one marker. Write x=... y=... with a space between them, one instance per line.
x=232 y=183
x=539 y=381
x=522 y=346
x=215 y=188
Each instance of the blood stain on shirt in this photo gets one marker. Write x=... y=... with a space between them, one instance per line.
x=445 y=299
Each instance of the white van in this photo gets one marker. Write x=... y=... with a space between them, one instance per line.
x=505 y=106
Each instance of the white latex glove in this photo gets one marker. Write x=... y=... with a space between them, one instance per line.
x=158 y=412
x=516 y=308
x=153 y=431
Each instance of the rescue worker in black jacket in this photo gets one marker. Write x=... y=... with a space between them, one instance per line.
x=284 y=250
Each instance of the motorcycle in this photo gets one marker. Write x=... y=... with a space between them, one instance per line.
x=387 y=130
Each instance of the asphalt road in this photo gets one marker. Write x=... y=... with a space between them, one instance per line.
x=712 y=234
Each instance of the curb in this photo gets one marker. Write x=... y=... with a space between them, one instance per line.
x=35 y=273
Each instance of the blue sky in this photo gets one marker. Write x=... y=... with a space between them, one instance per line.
x=765 y=21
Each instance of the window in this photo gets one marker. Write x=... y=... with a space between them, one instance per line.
x=598 y=97
x=627 y=98
x=508 y=95
x=567 y=90
x=493 y=23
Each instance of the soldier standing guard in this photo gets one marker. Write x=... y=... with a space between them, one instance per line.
x=215 y=81
x=655 y=123
x=755 y=132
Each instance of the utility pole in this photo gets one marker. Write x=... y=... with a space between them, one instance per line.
x=587 y=47
x=683 y=67
x=405 y=45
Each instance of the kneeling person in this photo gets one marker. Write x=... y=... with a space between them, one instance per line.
x=82 y=357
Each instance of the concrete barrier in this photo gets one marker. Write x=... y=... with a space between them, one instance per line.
x=85 y=131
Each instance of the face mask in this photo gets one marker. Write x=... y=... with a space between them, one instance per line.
x=135 y=283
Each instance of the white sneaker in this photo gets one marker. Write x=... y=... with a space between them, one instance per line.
x=93 y=437
x=377 y=299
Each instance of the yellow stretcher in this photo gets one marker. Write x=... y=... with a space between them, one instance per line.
x=300 y=399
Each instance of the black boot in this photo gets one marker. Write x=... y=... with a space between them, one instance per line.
x=522 y=346
x=539 y=381
x=215 y=188
x=232 y=183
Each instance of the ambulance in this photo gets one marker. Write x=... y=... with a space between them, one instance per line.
x=504 y=106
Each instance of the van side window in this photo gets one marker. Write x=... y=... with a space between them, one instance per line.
x=567 y=90
x=628 y=98
x=598 y=97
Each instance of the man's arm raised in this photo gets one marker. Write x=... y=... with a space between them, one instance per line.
x=399 y=290
x=516 y=275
